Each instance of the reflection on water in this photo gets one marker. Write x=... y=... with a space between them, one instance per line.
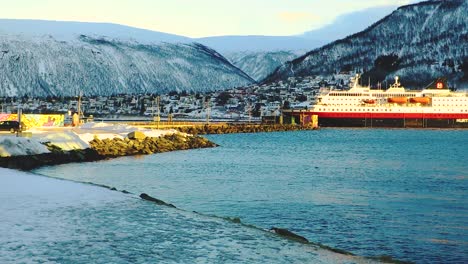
x=372 y=192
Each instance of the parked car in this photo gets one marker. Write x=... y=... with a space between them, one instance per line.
x=12 y=126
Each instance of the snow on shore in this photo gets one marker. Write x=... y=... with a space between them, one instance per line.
x=88 y=131
x=68 y=138
x=17 y=146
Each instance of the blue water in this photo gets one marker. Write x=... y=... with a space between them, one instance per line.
x=373 y=192
x=45 y=220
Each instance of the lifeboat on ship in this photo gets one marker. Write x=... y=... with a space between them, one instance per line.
x=397 y=100
x=420 y=100
x=368 y=101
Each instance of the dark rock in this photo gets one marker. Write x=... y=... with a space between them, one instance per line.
x=29 y=162
x=336 y=250
x=53 y=148
x=235 y=220
x=288 y=234
x=146 y=197
x=390 y=259
x=241 y=128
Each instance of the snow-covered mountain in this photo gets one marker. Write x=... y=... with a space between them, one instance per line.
x=348 y=24
x=54 y=65
x=45 y=46
x=418 y=42
x=259 y=56
x=258 y=64
x=69 y=31
x=259 y=43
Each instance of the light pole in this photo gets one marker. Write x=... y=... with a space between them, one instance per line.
x=20 y=112
x=156 y=118
x=79 y=108
x=207 y=104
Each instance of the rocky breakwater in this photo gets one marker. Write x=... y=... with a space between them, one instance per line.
x=138 y=144
x=241 y=128
x=55 y=157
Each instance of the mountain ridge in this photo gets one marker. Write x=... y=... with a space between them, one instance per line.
x=258 y=64
x=70 y=30
x=259 y=43
x=38 y=66
x=346 y=24
x=425 y=47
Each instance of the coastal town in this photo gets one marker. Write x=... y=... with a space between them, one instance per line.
x=237 y=104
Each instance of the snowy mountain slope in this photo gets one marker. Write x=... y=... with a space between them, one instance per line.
x=259 y=43
x=43 y=66
x=258 y=64
x=69 y=31
x=258 y=56
x=417 y=42
x=349 y=24
x=341 y=27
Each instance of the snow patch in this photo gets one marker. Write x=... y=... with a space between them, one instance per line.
x=18 y=146
x=105 y=130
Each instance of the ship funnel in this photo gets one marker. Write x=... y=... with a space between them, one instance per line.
x=437 y=84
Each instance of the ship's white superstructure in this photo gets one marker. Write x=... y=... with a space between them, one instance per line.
x=433 y=106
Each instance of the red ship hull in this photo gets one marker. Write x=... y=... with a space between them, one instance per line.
x=390 y=115
x=395 y=120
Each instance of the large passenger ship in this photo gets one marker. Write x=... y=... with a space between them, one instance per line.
x=434 y=106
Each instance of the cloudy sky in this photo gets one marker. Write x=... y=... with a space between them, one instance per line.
x=196 y=18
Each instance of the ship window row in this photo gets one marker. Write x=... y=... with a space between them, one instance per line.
x=393 y=95
x=358 y=110
x=452 y=100
x=346 y=104
x=387 y=110
x=434 y=104
x=398 y=95
x=345 y=94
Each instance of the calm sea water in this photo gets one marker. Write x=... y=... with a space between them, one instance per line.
x=402 y=193
x=46 y=220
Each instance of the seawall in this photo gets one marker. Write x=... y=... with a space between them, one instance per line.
x=229 y=128
x=106 y=149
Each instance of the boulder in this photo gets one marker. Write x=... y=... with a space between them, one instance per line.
x=136 y=135
x=288 y=234
x=146 y=197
